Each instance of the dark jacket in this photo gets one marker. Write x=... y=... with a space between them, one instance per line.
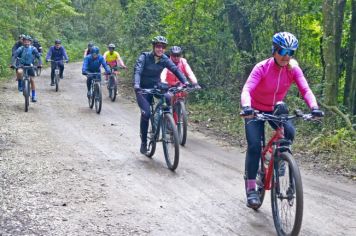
x=26 y=56
x=57 y=54
x=147 y=72
x=38 y=46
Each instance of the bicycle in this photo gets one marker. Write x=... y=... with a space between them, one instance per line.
x=112 y=84
x=179 y=111
x=26 y=85
x=56 y=73
x=38 y=70
x=278 y=171
x=95 y=95
x=161 y=120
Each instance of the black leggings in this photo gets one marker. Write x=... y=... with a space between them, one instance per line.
x=144 y=101
x=254 y=131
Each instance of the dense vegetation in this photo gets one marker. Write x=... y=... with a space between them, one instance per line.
x=222 y=40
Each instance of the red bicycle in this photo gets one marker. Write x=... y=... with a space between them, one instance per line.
x=278 y=171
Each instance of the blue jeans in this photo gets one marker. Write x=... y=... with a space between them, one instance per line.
x=254 y=131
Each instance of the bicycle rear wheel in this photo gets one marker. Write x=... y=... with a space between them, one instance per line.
x=97 y=98
x=112 y=88
x=151 y=149
x=170 y=141
x=182 y=122
x=287 y=196
x=26 y=93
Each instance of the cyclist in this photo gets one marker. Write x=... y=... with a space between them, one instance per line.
x=268 y=84
x=37 y=45
x=25 y=55
x=92 y=64
x=57 y=53
x=172 y=80
x=88 y=49
x=147 y=71
x=113 y=58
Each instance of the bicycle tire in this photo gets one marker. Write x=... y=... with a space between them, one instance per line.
x=282 y=200
x=152 y=142
x=56 y=81
x=112 y=88
x=38 y=71
x=169 y=127
x=182 y=123
x=97 y=98
x=91 y=98
x=26 y=93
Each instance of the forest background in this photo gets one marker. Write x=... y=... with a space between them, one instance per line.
x=222 y=40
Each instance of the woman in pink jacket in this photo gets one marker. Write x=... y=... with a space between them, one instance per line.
x=268 y=84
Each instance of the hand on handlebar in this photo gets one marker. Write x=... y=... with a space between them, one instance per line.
x=84 y=73
x=317 y=113
x=196 y=86
x=247 y=112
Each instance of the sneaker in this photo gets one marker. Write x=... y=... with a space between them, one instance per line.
x=34 y=99
x=143 y=148
x=282 y=168
x=253 y=199
x=52 y=83
x=61 y=77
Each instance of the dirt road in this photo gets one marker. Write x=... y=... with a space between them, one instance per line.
x=64 y=170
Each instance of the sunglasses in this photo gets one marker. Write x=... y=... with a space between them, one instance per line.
x=160 y=46
x=284 y=52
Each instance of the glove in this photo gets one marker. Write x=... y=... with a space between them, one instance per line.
x=246 y=111
x=137 y=88
x=84 y=73
x=316 y=112
x=196 y=86
x=67 y=61
x=186 y=84
x=12 y=66
x=39 y=66
x=47 y=60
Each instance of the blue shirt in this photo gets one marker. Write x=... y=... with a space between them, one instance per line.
x=57 y=54
x=92 y=65
x=26 y=55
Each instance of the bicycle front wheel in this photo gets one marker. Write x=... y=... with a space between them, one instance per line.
x=26 y=93
x=287 y=196
x=151 y=137
x=170 y=141
x=97 y=98
x=182 y=122
x=112 y=88
x=56 y=81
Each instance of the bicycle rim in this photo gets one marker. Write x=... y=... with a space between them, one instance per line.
x=26 y=93
x=170 y=141
x=151 y=149
x=287 y=196
x=98 y=98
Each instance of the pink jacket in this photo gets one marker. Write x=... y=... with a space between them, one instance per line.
x=168 y=77
x=269 y=83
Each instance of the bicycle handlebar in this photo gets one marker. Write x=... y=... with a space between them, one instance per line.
x=283 y=118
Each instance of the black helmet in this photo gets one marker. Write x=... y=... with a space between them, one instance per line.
x=176 y=50
x=35 y=40
x=27 y=37
x=95 y=50
x=21 y=36
x=90 y=45
x=111 y=45
x=57 y=41
x=159 y=39
x=280 y=109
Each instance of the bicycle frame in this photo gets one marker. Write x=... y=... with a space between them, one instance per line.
x=160 y=109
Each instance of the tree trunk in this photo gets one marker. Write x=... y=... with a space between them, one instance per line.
x=353 y=87
x=333 y=11
x=350 y=58
x=240 y=29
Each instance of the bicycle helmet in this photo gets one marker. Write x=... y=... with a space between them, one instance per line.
x=90 y=45
x=176 y=50
x=21 y=36
x=57 y=41
x=284 y=40
x=27 y=37
x=159 y=39
x=280 y=109
x=35 y=40
x=95 y=50
x=111 y=45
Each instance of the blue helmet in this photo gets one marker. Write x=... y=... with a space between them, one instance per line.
x=284 y=40
x=94 y=50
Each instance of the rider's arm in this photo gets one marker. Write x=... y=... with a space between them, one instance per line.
x=304 y=88
x=65 y=54
x=85 y=53
x=189 y=71
x=164 y=75
x=49 y=53
x=251 y=83
x=104 y=55
x=175 y=70
x=16 y=54
x=85 y=65
x=119 y=60
x=140 y=63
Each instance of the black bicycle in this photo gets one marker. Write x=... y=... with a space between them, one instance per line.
x=112 y=84
x=38 y=69
x=161 y=120
x=56 y=73
x=95 y=93
x=26 y=87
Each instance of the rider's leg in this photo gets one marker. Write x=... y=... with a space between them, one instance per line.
x=53 y=67
x=144 y=101
x=89 y=81
x=31 y=73
x=61 y=69
x=19 y=75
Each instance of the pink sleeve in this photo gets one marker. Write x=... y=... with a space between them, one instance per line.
x=251 y=83
x=189 y=72
x=304 y=88
x=164 y=76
